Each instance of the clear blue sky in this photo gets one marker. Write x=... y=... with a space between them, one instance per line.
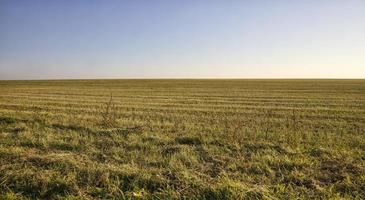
x=182 y=39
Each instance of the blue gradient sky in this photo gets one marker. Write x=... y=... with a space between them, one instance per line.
x=182 y=39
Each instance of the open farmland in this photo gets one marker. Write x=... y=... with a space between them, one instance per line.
x=175 y=139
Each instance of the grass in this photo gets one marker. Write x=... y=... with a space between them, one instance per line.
x=182 y=139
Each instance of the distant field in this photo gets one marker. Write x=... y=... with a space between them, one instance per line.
x=176 y=139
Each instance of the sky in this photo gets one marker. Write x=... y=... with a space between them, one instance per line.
x=64 y=39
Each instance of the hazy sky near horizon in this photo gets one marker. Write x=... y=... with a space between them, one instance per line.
x=182 y=39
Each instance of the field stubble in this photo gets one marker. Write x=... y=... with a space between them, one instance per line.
x=176 y=139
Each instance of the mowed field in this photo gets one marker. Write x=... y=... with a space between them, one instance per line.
x=182 y=139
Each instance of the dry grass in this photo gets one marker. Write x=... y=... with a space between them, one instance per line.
x=182 y=139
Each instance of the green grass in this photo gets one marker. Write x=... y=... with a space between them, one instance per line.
x=182 y=139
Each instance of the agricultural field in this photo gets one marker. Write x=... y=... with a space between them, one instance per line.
x=182 y=139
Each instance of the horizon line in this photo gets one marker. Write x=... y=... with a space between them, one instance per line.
x=186 y=78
